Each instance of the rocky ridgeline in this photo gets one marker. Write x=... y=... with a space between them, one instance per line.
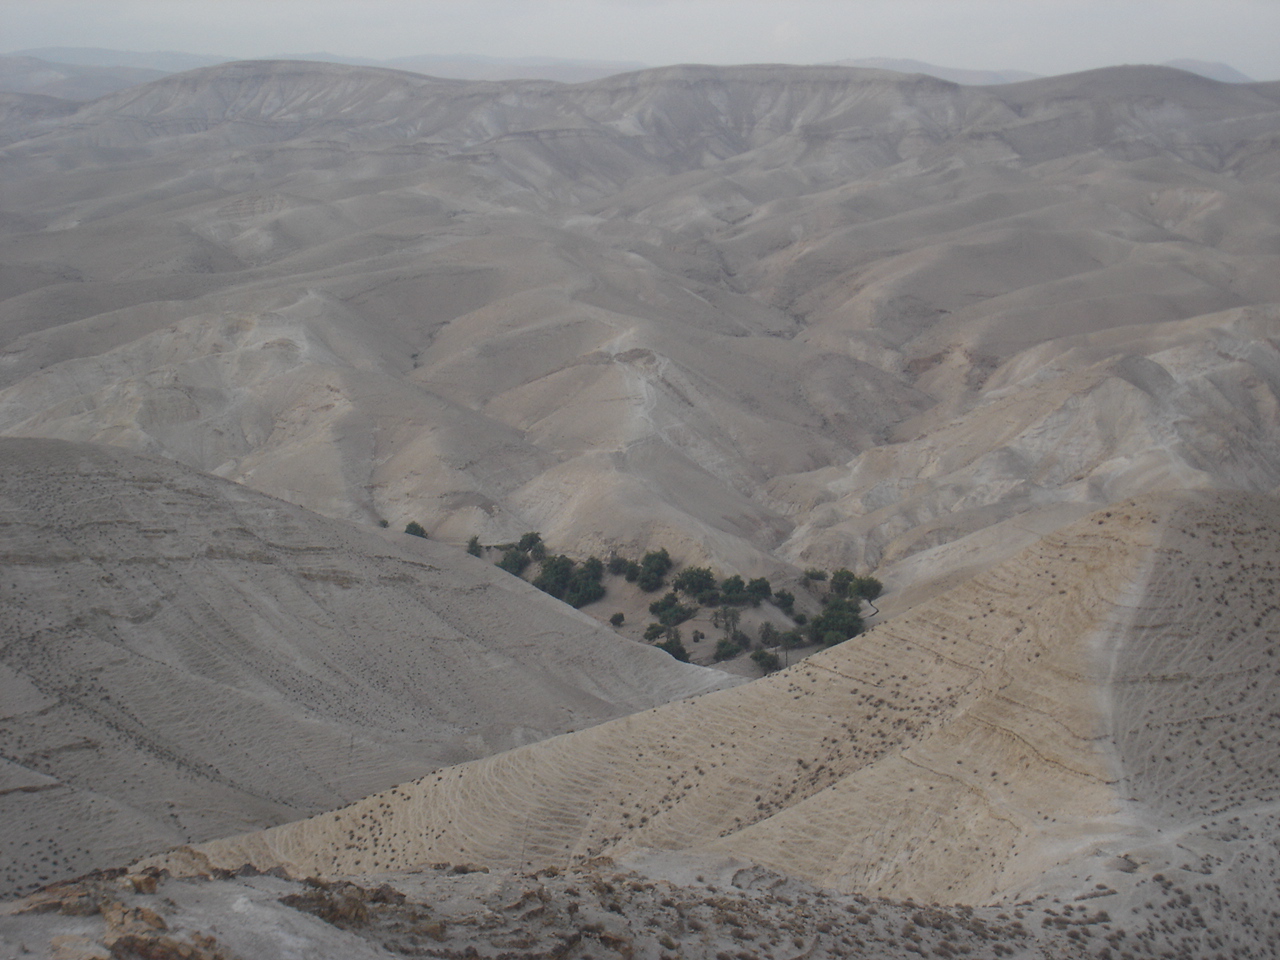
x=601 y=909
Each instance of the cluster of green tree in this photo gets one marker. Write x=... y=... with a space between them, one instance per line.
x=700 y=583
x=516 y=557
x=580 y=584
x=577 y=584
x=844 y=583
x=670 y=611
x=766 y=660
x=649 y=574
x=839 y=620
x=675 y=647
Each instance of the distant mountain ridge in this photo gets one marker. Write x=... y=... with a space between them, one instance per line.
x=23 y=74
x=481 y=67
x=453 y=66
x=980 y=78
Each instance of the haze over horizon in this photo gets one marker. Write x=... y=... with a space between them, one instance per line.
x=1044 y=37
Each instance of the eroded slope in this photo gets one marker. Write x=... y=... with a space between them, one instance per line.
x=967 y=750
x=181 y=657
x=758 y=315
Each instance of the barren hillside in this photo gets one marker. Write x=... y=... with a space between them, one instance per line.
x=728 y=310
x=1015 y=349
x=1095 y=714
x=182 y=658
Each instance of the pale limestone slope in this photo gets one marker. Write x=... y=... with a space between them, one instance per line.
x=956 y=753
x=720 y=310
x=183 y=658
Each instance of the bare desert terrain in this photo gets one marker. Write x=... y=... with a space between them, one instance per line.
x=1013 y=349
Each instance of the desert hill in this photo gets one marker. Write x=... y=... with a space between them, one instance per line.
x=26 y=74
x=1014 y=348
x=716 y=309
x=1092 y=718
x=184 y=657
x=1020 y=706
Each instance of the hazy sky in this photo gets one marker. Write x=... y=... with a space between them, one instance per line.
x=1043 y=36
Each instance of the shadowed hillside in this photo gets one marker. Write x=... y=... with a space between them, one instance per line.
x=183 y=658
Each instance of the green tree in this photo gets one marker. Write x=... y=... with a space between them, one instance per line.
x=473 y=546
x=759 y=589
x=726 y=649
x=586 y=583
x=841 y=582
x=514 y=561
x=694 y=581
x=670 y=611
x=839 y=620
x=733 y=591
x=869 y=588
x=766 y=660
x=531 y=543
x=785 y=601
x=728 y=619
x=674 y=646
x=653 y=568
x=415 y=529
x=553 y=577
x=618 y=619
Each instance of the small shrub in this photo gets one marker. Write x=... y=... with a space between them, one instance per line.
x=785 y=601
x=415 y=529
x=473 y=546
x=618 y=619
x=384 y=524
x=653 y=631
